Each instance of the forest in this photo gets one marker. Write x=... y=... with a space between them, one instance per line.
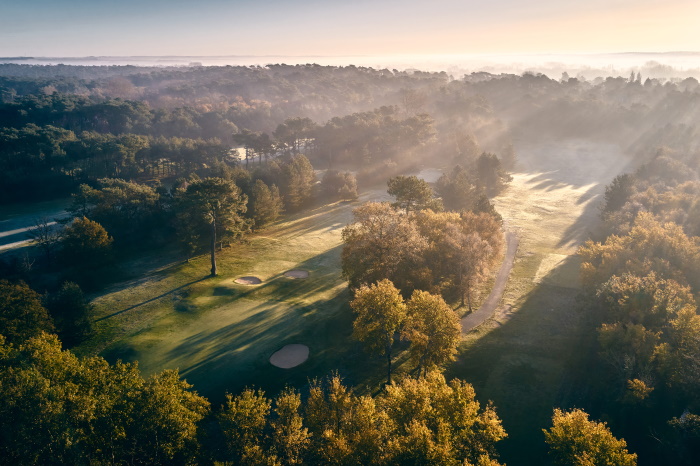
x=209 y=217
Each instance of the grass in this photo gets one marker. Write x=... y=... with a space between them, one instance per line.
x=523 y=358
x=220 y=334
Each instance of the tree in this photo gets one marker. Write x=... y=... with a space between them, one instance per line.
x=167 y=413
x=491 y=175
x=126 y=209
x=265 y=204
x=47 y=236
x=433 y=329
x=383 y=243
x=457 y=190
x=471 y=256
x=290 y=437
x=71 y=312
x=618 y=192
x=440 y=423
x=412 y=193
x=21 y=314
x=338 y=185
x=212 y=204
x=647 y=300
x=298 y=180
x=243 y=421
x=650 y=246
x=60 y=409
x=86 y=244
x=346 y=429
x=475 y=243
x=379 y=314
x=293 y=131
x=575 y=440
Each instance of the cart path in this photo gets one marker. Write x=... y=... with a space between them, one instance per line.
x=488 y=308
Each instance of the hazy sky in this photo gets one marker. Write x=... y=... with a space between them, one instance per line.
x=349 y=27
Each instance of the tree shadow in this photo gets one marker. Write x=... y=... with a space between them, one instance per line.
x=236 y=355
x=155 y=298
x=312 y=311
x=526 y=365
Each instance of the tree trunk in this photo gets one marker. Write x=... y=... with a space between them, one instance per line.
x=388 y=359
x=213 y=248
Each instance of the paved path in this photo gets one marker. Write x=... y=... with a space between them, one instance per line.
x=489 y=306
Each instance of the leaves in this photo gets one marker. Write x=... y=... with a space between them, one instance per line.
x=575 y=440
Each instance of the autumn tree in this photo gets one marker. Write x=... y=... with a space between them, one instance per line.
x=412 y=193
x=438 y=422
x=471 y=254
x=243 y=421
x=433 y=329
x=380 y=313
x=383 y=243
x=264 y=204
x=573 y=439
x=58 y=408
x=346 y=429
x=650 y=246
x=22 y=315
x=476 y=243
x=290 y=438
x=211 y=207
x=415 y=421
x=85 y=243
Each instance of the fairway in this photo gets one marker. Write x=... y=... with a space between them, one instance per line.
x=221 y=332
x=519 y=358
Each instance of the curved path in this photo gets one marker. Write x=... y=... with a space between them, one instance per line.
x=489 y=306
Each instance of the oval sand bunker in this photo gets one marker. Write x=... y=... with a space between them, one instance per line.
x=290 y=356
x=297 y=273
x=248 y=281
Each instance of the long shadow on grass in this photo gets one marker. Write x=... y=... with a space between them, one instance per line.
x=155 y=298
x=526 y=366
x=322 y=218
x=580 y=230
x=312 y=311
x=237 y=355
x=324 y=274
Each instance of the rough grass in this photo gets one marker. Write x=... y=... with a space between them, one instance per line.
x=521 y=357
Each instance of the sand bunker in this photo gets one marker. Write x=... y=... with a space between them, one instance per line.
x=290 y=356
x=248 y=281
x=296 y=274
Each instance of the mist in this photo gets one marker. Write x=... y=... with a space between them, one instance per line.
x=659 y=65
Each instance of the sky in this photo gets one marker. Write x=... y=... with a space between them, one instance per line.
x=77 y=28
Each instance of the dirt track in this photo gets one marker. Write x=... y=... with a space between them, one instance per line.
x=491 y=304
